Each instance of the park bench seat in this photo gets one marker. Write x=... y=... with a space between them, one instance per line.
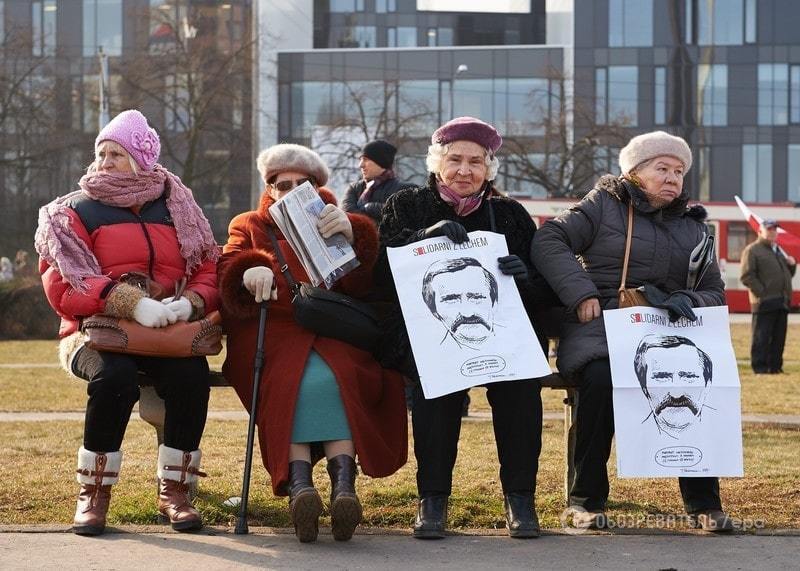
x=151 y=410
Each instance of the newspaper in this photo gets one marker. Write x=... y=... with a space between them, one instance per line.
x=325 y=260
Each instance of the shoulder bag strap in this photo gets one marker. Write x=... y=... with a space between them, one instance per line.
x=293 y=285
x=492 y=224
x=627 y=246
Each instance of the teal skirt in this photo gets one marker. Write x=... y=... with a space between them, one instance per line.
x=319 y=414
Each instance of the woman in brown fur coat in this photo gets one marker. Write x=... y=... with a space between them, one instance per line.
x=317 y=395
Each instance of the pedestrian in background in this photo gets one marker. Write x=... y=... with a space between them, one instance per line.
x=767 y=272
x=378 y=181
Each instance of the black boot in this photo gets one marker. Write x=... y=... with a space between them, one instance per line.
x=305 y=505
x=345 y=507
x=431 y=517
x=521 y=517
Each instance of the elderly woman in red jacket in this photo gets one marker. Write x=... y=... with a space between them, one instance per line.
x=317 y=395
x=131 y=217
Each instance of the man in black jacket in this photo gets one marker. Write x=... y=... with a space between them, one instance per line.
x=378 y=181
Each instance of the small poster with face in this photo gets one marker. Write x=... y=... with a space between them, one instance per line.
x=464 y=318
x=676 y=393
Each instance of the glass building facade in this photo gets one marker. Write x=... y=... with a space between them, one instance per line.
x=185 y=63
x=724 y=74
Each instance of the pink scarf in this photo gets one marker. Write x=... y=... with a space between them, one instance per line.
x=59 y=245
x=463 y=205
x=388 y=174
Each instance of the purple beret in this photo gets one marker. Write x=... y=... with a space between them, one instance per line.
x=468 y=129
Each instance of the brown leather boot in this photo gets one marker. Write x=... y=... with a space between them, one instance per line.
x=345 y=508
x=96 y=473
x=176 y=470
x=305 y=505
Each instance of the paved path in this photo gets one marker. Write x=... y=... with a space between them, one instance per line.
x=783 y=419
x=217 y=549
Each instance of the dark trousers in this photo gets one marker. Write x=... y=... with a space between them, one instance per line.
x=769 y=337
x=113 y=389
x=595 y=429
x=517 y=418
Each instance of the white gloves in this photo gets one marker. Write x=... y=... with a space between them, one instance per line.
x=182 y=307
x=152 y=313
x=260 y=281
x=333 y=220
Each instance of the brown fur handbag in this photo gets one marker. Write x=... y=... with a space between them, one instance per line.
x=629 y=297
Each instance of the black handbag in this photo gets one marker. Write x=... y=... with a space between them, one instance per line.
x=329 y=313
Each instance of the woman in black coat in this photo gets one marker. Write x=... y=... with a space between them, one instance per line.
x=456 y=200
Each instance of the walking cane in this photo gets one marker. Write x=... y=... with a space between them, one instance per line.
x=241 y=521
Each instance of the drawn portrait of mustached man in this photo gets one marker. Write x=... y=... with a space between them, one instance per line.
x=463 y=296
x=675 y=376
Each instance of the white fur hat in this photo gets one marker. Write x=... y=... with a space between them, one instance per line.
x=289 y=157
x=654 y=144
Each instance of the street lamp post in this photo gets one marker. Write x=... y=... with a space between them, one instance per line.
x=462 y=68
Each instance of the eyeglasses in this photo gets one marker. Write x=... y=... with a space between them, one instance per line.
x=287 y=185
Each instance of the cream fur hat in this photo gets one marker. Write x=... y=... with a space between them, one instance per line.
x=654 y=144
x=289 y=157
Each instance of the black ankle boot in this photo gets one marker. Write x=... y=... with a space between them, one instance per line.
x=345 y=508
x=305 y=505
x=520 y=515
x=431 y=517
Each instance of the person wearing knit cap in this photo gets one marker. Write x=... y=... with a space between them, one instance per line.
x=666 y=230
x=378 y=180
x=119 y=246
x=460 y=197
x=318 y=396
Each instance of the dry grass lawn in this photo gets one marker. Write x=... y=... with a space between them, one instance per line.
x=37 y=458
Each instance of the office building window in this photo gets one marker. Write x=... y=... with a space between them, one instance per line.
x=359 y=37
x=773 y=94
x=757 y=173
x=406 y=37
x=600 y=89
x=712 y=94
x=794 y=93
x=431 y=36
x=2 y=21
x=660 y=96
x=102 y=27
x=793 y=180
x=630 y=23
x=617 y=95
x=445 y=37
x=383 y=6
x=347 y=6
x=391 y=37
x=43 y=28
x=719 y=22
x=750 y=15
x=177 y=114
x=704 y=173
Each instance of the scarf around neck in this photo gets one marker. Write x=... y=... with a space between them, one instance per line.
x=59 y=245
x=463 y=205
x=371 y=185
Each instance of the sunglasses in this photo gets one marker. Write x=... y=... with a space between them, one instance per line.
x=287 y=185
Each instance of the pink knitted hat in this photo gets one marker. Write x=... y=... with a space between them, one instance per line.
x=468 y=129
x=130 y=129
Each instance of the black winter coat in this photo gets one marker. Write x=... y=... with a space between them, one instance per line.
x=414 y=209
x=595 y=229
x=379 y=196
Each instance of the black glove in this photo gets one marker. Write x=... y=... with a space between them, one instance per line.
x=373 y=209
x=513 y=266
x=678 y=304
x=453 y=230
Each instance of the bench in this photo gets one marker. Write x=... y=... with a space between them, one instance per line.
x=151 y=410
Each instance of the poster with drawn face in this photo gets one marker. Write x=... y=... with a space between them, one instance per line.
x=676 y=393
x=464 y=318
